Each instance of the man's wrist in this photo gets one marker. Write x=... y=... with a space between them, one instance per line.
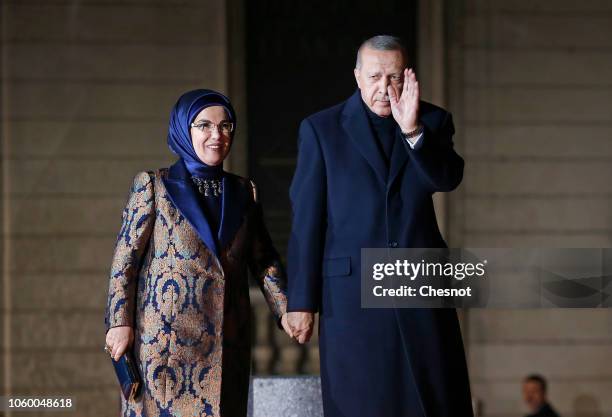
x=413 y=133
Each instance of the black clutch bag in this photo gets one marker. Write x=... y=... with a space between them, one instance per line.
x=127 y=374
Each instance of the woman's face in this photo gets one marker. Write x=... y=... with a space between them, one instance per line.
x=211 y=142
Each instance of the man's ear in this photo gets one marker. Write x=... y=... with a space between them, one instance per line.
x=356 y=72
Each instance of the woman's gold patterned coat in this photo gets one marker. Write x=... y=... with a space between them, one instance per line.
x=188 y=305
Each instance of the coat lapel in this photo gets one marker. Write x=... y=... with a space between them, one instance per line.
x=234 y=200
x=399 y=156
x=186 y=199
x=355 y=123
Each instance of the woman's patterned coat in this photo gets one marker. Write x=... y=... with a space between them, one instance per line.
x=188 y=305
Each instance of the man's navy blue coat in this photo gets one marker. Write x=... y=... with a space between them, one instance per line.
x=374 y=362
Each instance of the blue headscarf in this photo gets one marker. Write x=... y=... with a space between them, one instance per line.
x=183 y=114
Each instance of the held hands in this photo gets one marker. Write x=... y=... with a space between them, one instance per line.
x=118 y=339
x=300 y=325
x=286 y=327
x=405 y=109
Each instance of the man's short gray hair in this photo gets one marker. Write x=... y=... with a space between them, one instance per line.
x=381 y=43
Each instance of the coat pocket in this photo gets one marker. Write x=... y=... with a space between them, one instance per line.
x=337 y=266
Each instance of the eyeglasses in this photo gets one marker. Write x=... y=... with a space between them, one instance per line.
x=206 y=126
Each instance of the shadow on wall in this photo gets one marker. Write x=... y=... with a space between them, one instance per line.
x=586 y=405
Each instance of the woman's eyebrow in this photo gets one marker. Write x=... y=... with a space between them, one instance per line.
x=206 y=120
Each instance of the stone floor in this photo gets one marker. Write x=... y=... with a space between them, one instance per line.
x=297 y=396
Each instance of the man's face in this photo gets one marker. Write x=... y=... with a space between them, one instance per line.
x=533 y=395
x=380 y=69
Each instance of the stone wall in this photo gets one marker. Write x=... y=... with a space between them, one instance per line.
x=87 y=87
x=529 y=84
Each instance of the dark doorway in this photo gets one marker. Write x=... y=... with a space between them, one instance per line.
x=300 y=59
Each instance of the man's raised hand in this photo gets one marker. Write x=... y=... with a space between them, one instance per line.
x=405 y=109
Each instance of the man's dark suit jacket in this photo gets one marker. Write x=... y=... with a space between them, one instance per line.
x=374 y=362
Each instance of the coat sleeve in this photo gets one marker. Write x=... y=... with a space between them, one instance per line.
x=435 y=158
x=265 y=263
x=308 y=193
x=132 y=240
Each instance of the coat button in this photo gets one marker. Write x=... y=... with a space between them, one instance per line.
x=393 y=244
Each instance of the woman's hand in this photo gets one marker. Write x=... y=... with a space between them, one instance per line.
x=285 y=324
x=118 y=339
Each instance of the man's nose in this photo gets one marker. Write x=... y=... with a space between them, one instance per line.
x=384 y=83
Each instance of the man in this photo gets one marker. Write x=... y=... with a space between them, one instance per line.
x=365 y=175
x=534 y=393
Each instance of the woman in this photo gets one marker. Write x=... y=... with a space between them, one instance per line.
x=178 y=285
